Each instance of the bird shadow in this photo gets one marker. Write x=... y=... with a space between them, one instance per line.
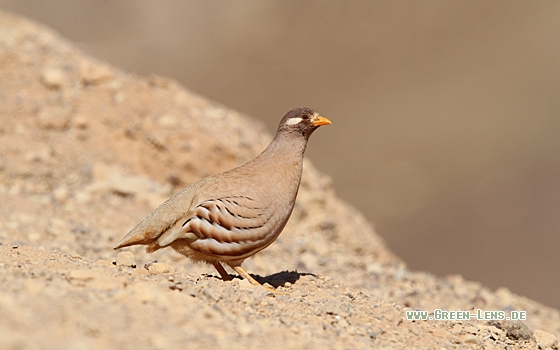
x=276 y=279
x=281 y=278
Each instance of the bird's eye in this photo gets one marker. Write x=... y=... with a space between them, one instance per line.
x=305 y=117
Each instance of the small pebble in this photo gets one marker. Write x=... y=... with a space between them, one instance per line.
x=457 y=329
x=53 y=78
x=95 y=73
x=75 y=255
x=245 y=329
x=545 y=339
x=54 y=117
x=60 y=194
x=168 y=121
x=157 y=268
x=126 y=259
x=80 y=122
x=471 y=339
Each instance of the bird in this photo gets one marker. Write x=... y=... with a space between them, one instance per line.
x=227 y=217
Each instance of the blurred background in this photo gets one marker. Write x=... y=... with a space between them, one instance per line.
x=446 y=114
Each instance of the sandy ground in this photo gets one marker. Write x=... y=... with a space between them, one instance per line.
x=88 y=151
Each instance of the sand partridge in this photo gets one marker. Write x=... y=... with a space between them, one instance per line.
x=228 y=217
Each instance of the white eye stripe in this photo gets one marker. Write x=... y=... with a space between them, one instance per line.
x=293 y=121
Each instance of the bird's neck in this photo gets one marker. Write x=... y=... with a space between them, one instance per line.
x=285 y=148
x=285 y=155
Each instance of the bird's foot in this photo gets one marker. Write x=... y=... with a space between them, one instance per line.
x=241 y=271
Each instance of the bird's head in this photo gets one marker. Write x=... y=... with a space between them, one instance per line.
x=302 y=121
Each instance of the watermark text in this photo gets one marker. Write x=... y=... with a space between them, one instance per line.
x=462 y=315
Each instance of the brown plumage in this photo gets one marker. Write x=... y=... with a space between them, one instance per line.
x=227 y=217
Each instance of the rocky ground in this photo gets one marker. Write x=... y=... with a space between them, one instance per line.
x=88 y=151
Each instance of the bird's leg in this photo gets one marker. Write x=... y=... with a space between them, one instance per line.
x=241 y=271
x=222 y=271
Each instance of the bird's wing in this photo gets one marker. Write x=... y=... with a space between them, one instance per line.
x=164 y=217
x=223 y=226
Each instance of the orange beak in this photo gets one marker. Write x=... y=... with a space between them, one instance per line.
x=321 y=121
